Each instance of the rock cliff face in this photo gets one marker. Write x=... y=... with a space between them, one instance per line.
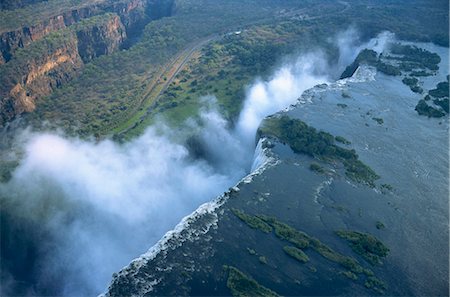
x=54 y=60
x=41 y=77
x=133 y=14
x=105 y=38
x=12 y=40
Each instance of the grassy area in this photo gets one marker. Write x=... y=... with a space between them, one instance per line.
x=423 y=108
x=441 y=90
x=412 y=57
x=296 y=253
x=33 y=14
x=242 y=285
x=252 y=221
x=14 y=71
x=342 y=140
x=375 y=284
x=380 y=121
x=283 y=231
x=412 y=83
x=317 y=168
x=363 y=244
x=366 y=245
x=304 y=139
x=350 y=275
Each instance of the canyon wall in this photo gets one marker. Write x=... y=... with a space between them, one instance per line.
x=37 y=70
x=37 y=59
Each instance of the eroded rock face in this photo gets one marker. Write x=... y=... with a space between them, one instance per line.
x=34 y=76
x=102 y=39
x=38 y=78
x=10 y=41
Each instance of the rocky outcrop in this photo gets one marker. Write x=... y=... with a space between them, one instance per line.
x=134 y=14
x=48 y=63
x=22 y=37
x=102 y=39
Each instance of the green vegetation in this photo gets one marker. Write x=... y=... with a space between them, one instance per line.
x=366 y=56
x=412 y=83
x=375 y=284
x=405 y=58
x=242 y=285
x=296 y=253
x=386 y=187
x=419 y=73
x=423 y=108
x=317 y=168
x=119 y=93
x=6 y=169
x=13 y=72
x=318 y=144
x=415 y=57
x=350 y=275
x=366 y=245
x=302 y=240
x=380 y=121
x=443 y=103
x=33 y=14
x=262 y=259
x=253 y=221
x=37 y=52
x=342 y=140
x=441 y=90
x=283 y=231
x=380 y=225
x=370 y=57
x=97 y=20
x=328 y=253
x=388 y=69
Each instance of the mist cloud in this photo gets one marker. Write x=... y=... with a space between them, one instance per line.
x=109 y=202
x=267 y=97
